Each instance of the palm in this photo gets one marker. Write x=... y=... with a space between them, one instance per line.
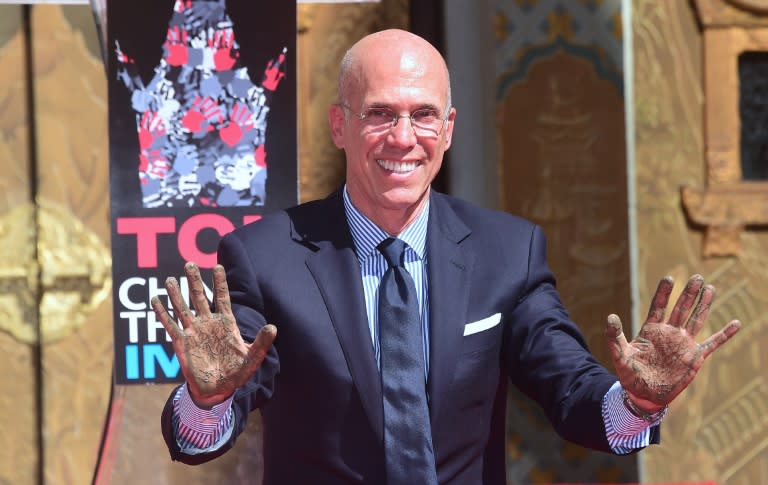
x=213 y=356
x=663 y=359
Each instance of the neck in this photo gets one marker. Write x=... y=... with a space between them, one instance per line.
x=392 y=221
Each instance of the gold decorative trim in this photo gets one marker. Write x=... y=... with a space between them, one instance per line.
x=18 y=274
x=47 y=296
x=76 y=272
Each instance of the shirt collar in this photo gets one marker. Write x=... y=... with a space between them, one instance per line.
x=367 y=235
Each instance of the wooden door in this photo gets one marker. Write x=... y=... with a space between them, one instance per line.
x=55 y=331
x=18 y=315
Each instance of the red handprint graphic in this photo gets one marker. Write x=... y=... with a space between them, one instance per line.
x=182 y=5
x=152 y=162
x=157 y=166
x=274 y=73
x=260 y=156
x=176 y=49
x=240 y=122
x=122 y=58
x=225 y=52
x=150 y=128
x=201 y=107
x=203 y=114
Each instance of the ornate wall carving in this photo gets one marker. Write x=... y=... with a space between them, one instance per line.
x=562 y=162
x=716 y=430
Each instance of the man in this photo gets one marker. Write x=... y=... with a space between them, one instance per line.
x=337 y=402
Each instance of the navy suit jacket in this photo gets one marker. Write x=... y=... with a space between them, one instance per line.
x=319 y=390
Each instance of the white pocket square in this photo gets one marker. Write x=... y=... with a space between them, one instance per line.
x=483 y=324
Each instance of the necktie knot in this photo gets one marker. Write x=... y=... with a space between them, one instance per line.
x=393 y=250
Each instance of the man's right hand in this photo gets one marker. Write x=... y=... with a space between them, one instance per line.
x=214 y=358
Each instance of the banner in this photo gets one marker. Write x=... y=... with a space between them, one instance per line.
x=202 y=126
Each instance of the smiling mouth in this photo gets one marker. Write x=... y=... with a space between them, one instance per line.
x=397 y=167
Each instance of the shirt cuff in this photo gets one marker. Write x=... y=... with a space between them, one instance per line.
x=625 y=431
x=200 y=430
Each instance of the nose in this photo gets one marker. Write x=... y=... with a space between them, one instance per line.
x=402 y=134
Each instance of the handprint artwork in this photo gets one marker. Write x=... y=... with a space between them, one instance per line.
x=201 y=121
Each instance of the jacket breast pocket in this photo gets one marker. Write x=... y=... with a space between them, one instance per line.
x=482 y=334
x=478 y=366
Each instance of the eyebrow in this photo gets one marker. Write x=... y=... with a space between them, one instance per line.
x=417 y=108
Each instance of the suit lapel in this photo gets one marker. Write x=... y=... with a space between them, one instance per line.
x=336 y=271
x=448 y=272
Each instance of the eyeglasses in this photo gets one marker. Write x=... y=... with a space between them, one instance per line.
x=424 y=121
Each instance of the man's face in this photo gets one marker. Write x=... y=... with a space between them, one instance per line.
x=389 y=170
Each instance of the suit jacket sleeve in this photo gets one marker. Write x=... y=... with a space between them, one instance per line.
x=246 y=300
x=547 y=358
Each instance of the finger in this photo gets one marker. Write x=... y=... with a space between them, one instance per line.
x=700 y=313
x=715 y=341
x=660 y=300
x=179 y=306
x=221 y=291
x=196 y=290
x=258 y=350
x=614 y=334
x=685 y=301
x=169 y=323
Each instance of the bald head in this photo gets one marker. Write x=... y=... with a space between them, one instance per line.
x=389 y=50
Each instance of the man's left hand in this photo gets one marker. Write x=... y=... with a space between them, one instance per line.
x=663 y=359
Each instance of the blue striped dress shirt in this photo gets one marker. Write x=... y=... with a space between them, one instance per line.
x=366 y=236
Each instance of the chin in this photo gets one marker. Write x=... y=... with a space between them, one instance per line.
x=403 y=198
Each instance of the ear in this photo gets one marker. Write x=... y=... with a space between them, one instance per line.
x=337 y=124
x=449 y=128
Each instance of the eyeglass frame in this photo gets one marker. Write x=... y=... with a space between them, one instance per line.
x=396 y=117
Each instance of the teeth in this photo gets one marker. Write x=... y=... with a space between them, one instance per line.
x=397 y=167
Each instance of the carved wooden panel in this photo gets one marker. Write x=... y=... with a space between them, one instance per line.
x=717 y=429
x=73 y=239
x=562 y=152
x=19 y=460
x=562 y=147
x=562 y=164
